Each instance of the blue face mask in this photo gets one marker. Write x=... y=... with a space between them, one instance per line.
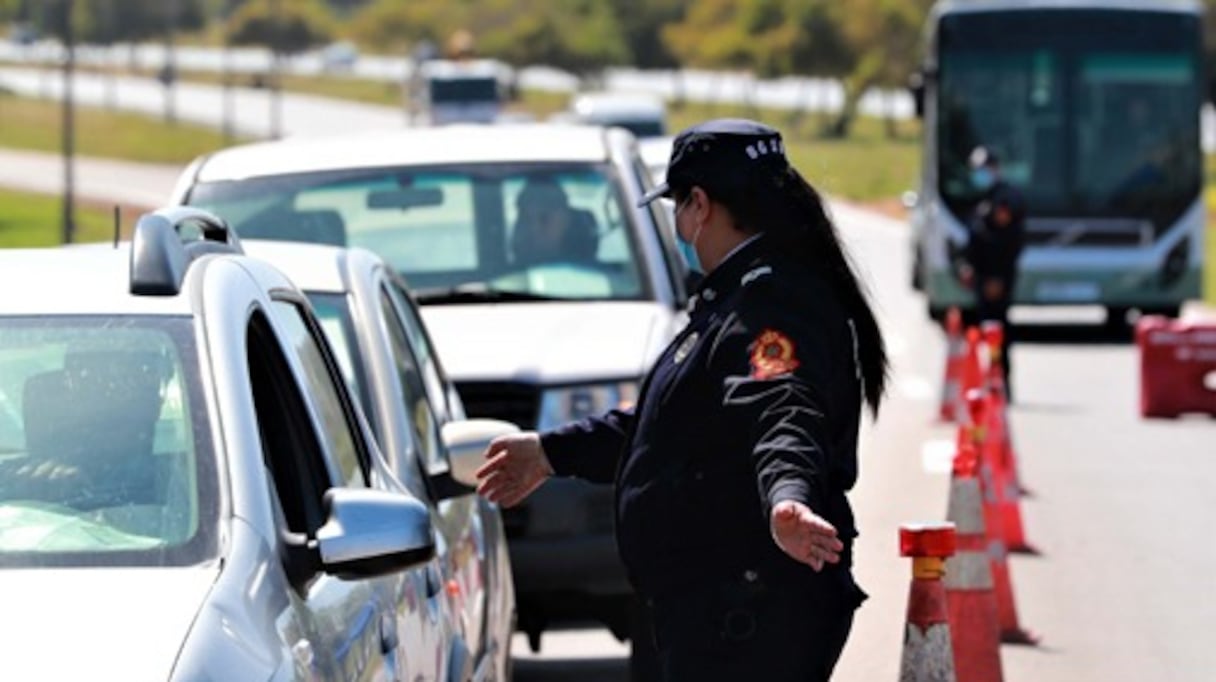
x=689 y=253
x=687 y=250
x=982 y=179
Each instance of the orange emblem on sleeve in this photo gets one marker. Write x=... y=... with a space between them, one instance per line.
x=773 y=355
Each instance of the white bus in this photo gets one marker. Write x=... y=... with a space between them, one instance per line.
x=1094 y=110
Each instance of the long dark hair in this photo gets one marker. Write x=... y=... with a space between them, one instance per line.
x=786 y=208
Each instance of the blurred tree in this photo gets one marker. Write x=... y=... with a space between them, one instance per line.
x=394 y=26
x=1209 y=45
x=301 y=24
x=580 y=36
x=884 y=36
x=642 y=23
x=106 y=21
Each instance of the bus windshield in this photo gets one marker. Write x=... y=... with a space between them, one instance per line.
x=1093 y=112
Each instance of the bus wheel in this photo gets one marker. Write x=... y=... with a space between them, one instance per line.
x=1116 y=318
x=1171 y=311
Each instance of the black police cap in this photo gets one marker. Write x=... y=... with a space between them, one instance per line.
x=720 y=150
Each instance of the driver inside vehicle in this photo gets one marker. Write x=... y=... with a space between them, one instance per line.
x=548 y=229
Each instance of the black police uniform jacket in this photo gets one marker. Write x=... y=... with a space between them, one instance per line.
x=757 y=400
x=997 y=236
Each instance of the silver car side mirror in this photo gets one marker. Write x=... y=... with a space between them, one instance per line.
x=467 y=440
x=373 y=532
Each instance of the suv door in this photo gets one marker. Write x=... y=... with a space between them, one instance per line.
x=313 y=440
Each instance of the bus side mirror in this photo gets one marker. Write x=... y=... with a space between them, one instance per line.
x=916 y=88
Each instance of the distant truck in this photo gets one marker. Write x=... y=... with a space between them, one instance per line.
x=444 y=91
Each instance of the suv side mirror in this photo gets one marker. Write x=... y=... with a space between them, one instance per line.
x=916 y=88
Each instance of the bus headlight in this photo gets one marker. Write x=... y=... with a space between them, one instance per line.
x=1174 y=265
x=561 y=405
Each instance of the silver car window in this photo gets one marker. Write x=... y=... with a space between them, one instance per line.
x=336 y=429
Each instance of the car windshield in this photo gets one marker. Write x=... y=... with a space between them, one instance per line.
x=105 y=457
x=505 y=232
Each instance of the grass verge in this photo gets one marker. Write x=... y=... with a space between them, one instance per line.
x=36 y=124
x=29 y=220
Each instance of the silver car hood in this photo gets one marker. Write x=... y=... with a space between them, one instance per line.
x=97 y=623
x=550 y=342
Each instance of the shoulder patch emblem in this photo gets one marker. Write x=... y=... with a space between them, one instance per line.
x=773 y=355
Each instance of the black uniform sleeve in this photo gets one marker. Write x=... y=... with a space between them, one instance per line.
x=776 y=374
x=589 y=448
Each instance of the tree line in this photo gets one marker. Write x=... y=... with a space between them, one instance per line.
x=862 y=43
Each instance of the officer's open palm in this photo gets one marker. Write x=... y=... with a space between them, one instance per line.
x=516 y=465
x=804 y=535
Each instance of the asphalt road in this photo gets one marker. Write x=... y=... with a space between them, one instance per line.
x=1121 y=509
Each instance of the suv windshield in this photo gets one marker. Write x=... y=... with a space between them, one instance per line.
x=502 y=232
x=104 y=452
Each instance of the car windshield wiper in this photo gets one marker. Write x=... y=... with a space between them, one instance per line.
x=476 y=292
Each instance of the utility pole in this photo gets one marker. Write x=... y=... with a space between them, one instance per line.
x=68 y=223
x=168 y=73
x=228 y=100
x=276 y=60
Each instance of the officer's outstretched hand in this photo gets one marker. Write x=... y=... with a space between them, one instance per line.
x=517 y=465
x=804 y=535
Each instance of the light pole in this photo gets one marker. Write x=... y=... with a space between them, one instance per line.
x=228 y=100
x=68 y=221
x=168 y=72
x=276 y=60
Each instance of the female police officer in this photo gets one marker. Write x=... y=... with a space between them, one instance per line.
x=731 y=470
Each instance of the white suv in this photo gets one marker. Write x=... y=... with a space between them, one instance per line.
x=532 y=340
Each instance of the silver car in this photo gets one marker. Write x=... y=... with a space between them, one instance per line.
x=391 y=366
x=189 y=491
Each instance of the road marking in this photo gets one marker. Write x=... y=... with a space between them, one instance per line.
x=937 y=456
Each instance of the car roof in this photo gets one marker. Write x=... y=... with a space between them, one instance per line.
x=76 y=280
x=596 y=105
x=311 y=267
x=423 y=146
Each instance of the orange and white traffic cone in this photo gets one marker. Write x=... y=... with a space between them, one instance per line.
x=998 y=556
x=927 y=654
x=999 y=449
x=973 y=371
x=971 y=600
x=953 y=405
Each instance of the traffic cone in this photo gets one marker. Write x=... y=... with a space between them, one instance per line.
x=1002 y=583
x=953 y=404
x=999 y=449
x=973 y=371
x=927 y=655
x=974 y=628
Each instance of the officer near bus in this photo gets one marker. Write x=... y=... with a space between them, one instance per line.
x=732 y=469
x=997 y=228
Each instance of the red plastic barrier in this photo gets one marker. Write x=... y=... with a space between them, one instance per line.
x=1176 y=359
